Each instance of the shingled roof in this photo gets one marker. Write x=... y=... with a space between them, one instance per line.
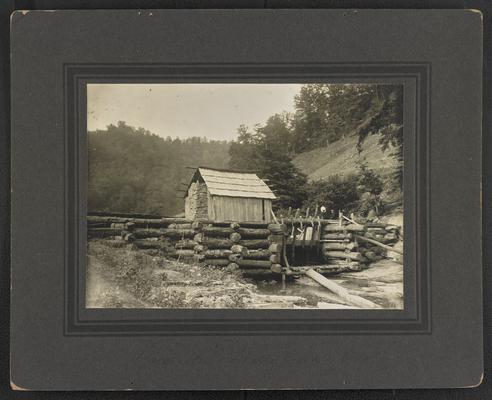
x=234 y=184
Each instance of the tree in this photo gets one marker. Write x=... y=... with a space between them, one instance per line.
x=243 y=151
x=266 y=151
x=370 y=187
x=328 y=112
x=133 y=170
x=336 y=193
x=385 y=117
x=286 y=181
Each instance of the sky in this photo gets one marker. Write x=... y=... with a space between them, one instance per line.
x=184 y=110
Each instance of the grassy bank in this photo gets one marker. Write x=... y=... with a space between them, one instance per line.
x=121 y=277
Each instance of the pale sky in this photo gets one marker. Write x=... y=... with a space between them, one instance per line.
x=185 y=109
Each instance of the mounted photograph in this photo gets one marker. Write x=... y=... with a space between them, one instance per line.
x=245 y=196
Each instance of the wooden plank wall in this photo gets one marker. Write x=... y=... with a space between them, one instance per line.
x=238 y=209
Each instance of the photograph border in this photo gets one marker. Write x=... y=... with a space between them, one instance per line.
x=80 y=321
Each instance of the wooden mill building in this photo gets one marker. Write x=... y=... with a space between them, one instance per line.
x=222 y=195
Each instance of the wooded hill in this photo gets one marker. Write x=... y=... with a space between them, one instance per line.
x=341 y=158
x=133 y=170
x=334 y=130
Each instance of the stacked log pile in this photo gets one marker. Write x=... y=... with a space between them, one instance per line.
x=172 y=236
x=254 y=248
x=248 y=247
x=343 y=243
x=385 y=234
x=339 y=246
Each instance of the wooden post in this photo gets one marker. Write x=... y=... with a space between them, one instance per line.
x=274 y=217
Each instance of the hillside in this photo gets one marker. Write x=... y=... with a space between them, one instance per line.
x=340 y=158
x=132 y=170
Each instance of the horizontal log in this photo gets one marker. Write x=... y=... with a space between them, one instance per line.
x=338 y=246
x=119 y=225
x=139 y=222
x=344 y=228
x=336 y=235
x=255 y=244
x=254 y=264
x=258 y=273
x=275 y=258
x=329 y=268
x=183 y=254
x=260 y=254
x=153 y=244
x=142 y=233
x=309 y=220
x=92 y=225
x=375 y=225
x=106 y=220
x=148 y=223
x=185 y=244
x=211 y=243
x=217 y=253
x=180 y=226
x=251 y=255
x=337 y=261
x=343 y=255
x=200 y=223
x=253 y=233
x=175 y=220
x=224 y=224
x=253 y=224
x=335 y=240
x=214 y=231
x=372 y=235
x=122 y=214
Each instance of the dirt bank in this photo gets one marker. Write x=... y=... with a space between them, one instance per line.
x=121 y=277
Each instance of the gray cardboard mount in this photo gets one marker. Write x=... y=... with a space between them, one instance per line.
x=435 y=342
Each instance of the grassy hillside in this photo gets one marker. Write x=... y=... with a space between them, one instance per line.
x=340 y=158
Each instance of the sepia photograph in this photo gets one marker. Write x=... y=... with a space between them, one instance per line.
x=245 y=196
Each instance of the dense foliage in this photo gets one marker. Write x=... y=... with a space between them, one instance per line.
x=336 y=193
x=323 y=114
x=132 y=170
x=265 y=150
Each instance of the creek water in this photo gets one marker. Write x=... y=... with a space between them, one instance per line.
x=370 y=289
